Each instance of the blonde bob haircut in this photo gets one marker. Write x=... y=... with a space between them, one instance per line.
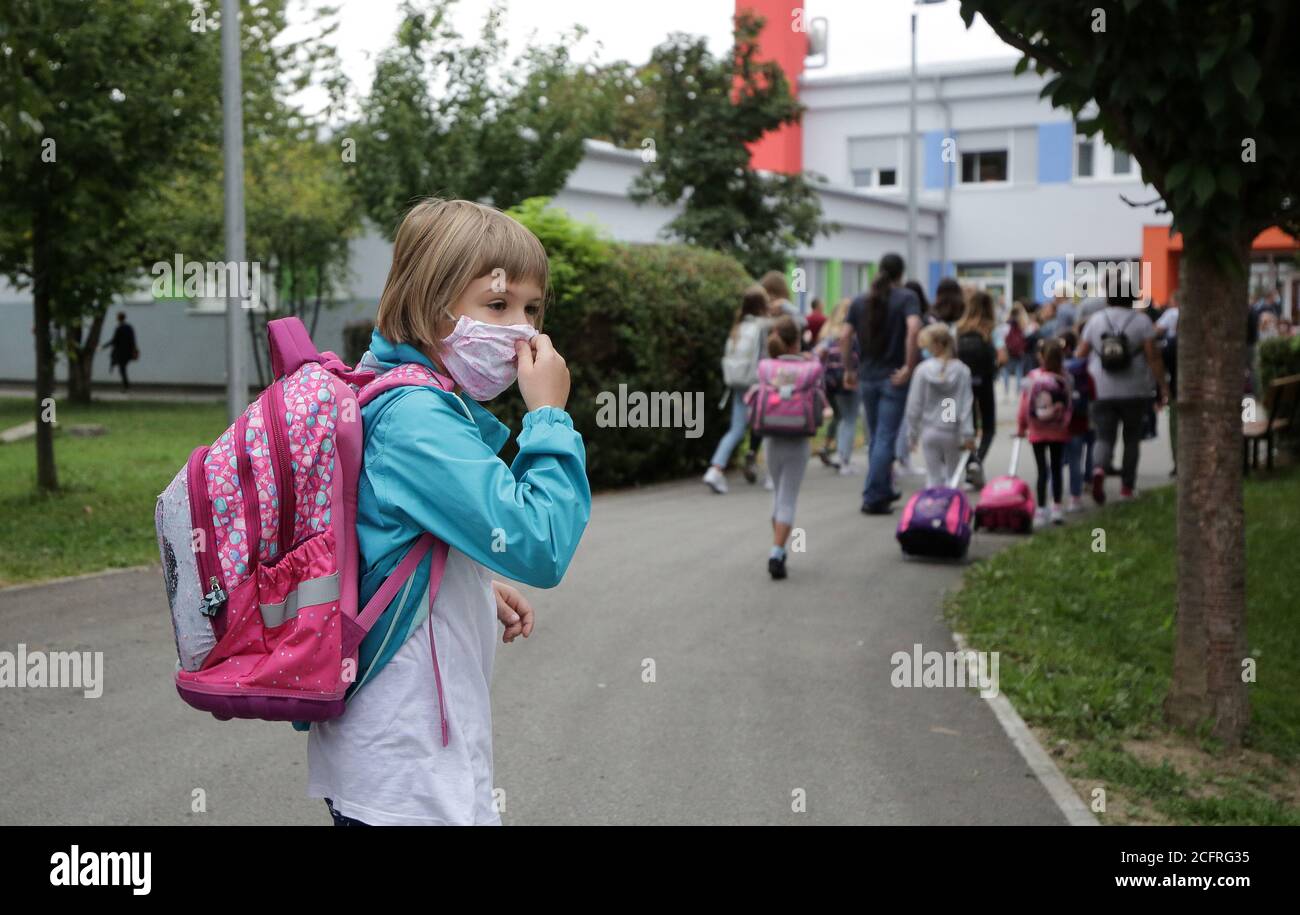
x=441 y=247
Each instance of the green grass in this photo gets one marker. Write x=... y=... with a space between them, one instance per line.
x=1086 y=644
x=102 y=518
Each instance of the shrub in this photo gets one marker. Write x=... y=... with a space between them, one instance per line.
x=1278 y=357
x=651 y=317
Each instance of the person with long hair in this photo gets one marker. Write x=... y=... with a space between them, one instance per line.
x=949 y=302
x=744 y=349
x=886 y=321
x=843 y=427
x=976 y=349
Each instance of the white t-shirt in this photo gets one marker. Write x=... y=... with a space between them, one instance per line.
x=383 y=761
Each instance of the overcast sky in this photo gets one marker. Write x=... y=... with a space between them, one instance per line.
x=863 y=34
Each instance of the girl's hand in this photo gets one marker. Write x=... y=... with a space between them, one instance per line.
x=513 y=610
x=543 y=376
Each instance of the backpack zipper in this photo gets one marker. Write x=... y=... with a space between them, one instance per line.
x=201 y=518
x=284 y=483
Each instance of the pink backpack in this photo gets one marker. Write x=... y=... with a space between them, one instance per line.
x=259 y=548
x=1050 y=404
x=788 y=399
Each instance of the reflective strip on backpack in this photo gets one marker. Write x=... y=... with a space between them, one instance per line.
x=309 y=593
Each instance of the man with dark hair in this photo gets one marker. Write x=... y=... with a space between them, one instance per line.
x=123 y=348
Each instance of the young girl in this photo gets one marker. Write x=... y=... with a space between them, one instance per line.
x=464 y=297
x=974 y=335
x=740 y=370
x=1045 y=411
x=843 y=428
x=787 y=455
x=1078 y=450
x=939 y=413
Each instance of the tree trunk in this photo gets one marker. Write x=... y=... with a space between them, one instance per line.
x=1210 y=639
x=81 y=358
x=47 y=477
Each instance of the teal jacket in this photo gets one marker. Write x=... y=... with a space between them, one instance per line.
x=430 y=464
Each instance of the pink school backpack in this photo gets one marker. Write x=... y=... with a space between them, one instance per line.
x=788 y=399
x=259 y=549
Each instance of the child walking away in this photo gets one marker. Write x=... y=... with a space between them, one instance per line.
x=1045 y=408
x=462 y=306
x=739 y=373
x=786 y=408
x=840 y=431
x=1078 y=450
x=940 y=406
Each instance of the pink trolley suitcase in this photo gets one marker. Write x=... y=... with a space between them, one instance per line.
x=1006 y=503
x=936 y=521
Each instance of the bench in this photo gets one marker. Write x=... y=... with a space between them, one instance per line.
x=1280 y=404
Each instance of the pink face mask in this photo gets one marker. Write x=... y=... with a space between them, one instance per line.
x=481 y=357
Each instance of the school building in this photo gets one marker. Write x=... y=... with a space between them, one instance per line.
x=1009 y=196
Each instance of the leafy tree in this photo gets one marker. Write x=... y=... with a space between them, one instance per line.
x=300 y=215
x=711 y=109
x=448 y=118
x=98 y=102
x=1204 y=96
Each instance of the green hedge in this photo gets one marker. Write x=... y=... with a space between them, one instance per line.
x=1278 y=357
x=651 y=317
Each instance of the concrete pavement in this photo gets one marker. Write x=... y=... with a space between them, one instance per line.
x=763 y=691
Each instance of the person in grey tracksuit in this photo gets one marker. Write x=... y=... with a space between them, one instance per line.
x=940 y=407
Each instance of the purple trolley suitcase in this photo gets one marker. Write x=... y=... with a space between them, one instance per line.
x=937 y=520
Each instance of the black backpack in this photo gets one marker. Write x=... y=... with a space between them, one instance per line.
x=1114 y=352
x=979 y=356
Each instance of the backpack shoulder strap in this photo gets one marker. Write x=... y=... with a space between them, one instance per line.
x=367 y=618
x=410 y=374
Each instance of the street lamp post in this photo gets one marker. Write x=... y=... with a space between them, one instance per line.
x=912 y=168
x=232 y=119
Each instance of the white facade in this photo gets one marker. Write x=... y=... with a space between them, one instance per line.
x=1020 y=191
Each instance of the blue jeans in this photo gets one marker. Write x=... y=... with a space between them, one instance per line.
x=1078 y=460
x=884 y=403
x=739 y=422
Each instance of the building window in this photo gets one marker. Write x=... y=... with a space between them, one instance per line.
x=875 y=177
x=982 y=166
x=1094 y=159
x=1083 y=157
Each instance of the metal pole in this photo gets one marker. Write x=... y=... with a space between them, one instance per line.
x=232 y=119
x=912 y=167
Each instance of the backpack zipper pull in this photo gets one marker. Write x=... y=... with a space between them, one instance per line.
x=214 y=600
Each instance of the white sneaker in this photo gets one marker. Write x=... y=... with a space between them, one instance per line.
x=1057 y=516
x=847 y=469
x=767 y=483
x=714 y=479
x=1075 y=505
x=1041 y=518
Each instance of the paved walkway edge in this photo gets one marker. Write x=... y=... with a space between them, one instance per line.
x=1076 y=812
x=9 y=589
